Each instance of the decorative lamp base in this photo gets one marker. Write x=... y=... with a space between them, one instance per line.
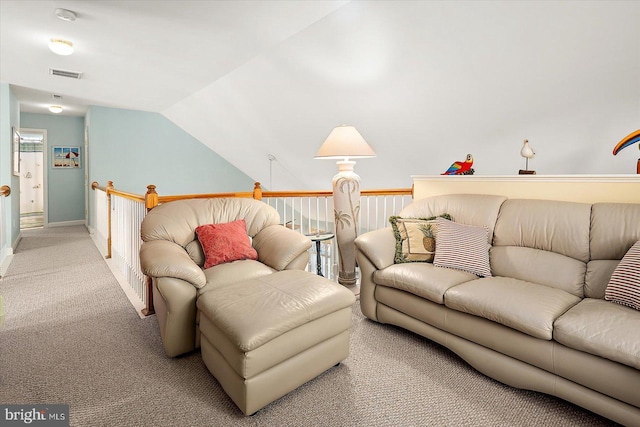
x=346 y=201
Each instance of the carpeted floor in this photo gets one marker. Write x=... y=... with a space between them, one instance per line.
x=71 y=336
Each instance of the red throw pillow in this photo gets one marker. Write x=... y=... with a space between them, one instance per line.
x=225 y=243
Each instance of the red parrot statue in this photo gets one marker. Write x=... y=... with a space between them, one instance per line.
x=461 y=168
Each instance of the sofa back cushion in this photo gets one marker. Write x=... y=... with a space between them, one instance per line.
x=615 y=227
x=555 y=226
x=543 y=241
x=177 y=221
x=470 y=209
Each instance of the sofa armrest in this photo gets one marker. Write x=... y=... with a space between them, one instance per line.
x=278 y=246
x=375 y=250
x=162 y=258
x=379 y=246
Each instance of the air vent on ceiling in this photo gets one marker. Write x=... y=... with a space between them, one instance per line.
x=56 y=96
x=63 y=73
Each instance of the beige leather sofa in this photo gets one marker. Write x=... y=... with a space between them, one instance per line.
x=172 y=256
x=541 y=321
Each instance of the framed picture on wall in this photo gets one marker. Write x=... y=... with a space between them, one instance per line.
x=66 y=157
x=15 y=145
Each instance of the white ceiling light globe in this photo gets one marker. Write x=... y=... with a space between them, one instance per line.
x=61 y=47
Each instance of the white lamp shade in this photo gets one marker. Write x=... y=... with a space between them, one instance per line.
x=55 y=109
x=344 y=142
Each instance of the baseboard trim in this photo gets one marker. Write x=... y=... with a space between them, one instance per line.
x=133 y=298
x=66 y=223
x=99 y=241
x=7 y=256
x=136 y=302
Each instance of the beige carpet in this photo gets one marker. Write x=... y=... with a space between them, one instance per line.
x=70 y=336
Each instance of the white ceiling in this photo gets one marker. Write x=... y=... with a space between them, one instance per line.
x=425 y=82
x=142 y=55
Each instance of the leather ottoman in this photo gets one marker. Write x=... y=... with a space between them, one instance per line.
x=262 y=338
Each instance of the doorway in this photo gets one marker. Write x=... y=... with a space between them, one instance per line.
x=33 y=156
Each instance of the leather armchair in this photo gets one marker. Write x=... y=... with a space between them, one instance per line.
x=172 y=256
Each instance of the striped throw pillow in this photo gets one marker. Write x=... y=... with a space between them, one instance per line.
x=624 y=285
x=462 y=247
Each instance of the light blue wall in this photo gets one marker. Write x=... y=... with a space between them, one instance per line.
x=130 y=148
x=9 y=117
x=65 y=187
x=137 y=148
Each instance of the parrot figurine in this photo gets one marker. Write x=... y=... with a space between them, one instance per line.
x=461 y=168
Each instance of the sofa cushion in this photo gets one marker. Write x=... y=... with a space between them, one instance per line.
x=472 y=209
x=527 y=307
x=225 y=242
x=602 y=328
x=555 y=226
x=519 y=262
x=234 y=272
x=415 y=238
x=614 y=229
x=462 y=247
x=624 y=285
x=422 y=279
x=599 y=272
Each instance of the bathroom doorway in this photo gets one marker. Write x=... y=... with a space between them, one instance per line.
x=33 y=156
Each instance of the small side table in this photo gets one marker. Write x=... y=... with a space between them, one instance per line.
x=319 y=238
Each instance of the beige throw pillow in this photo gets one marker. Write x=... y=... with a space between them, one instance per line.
x=415 y=238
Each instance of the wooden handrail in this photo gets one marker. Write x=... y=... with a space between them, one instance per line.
x=242 y=194
x=109 y=189
x=152 y=199
x=96 y=186
x=5 y=190
x=125 y=195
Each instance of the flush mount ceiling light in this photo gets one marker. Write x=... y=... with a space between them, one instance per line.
x=65 y=15
x=61 y=47
x=55 y=109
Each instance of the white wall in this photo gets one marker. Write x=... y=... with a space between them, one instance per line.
x=428 y=82
x=31 y=182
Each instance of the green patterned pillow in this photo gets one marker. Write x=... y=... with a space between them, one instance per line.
x=415 y=238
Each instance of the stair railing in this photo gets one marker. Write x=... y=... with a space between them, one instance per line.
x=118 y=215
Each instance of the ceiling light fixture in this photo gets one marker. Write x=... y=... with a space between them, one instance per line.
x=65 y=15
x=61 y=47
x=56 y=109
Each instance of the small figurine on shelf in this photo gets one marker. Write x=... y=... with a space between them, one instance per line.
x=527 y=153
x=461 y=168
x=632 y=138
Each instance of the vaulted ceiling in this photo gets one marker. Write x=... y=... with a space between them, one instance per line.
x=424 y=82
